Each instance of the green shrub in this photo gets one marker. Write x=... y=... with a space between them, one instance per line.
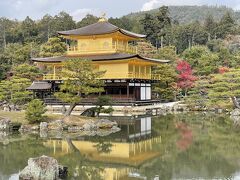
x=103 y=101
x=35 y=110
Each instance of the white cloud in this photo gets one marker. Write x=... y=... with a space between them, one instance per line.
x=79 y=14
x=150 y=5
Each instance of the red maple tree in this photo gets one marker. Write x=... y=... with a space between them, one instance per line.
x=186 y=78
x=223 y=69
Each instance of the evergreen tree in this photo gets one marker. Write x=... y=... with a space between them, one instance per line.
x=210 y=27
x=155 y=27
x=35 y=110
x=225 y=89
x=27 y=71
x=14 y=91
x=162 y=24
x=80 y=79
x=123 y=23
x=226 y=26
x=149 y=26
x=202 y=60
x=164 y=87
x=45 y=26
x=62 y=22
x=54 y=47
x=29 y=29
x=167 y=52
x=146 y=49
x=87 y=20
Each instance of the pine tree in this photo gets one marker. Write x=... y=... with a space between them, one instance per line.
x=210 y=27
x=164 y=87
x=80 y=79
x=225 y=88
x=226 y=26
x=54 y=47
x=14 y=91
x=146 y=49
x=35 y=110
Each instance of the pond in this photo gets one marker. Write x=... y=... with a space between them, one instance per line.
x=180 y=146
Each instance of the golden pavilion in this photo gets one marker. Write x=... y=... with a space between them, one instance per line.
x=128 y=77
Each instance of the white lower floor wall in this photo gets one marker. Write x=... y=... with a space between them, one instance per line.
x=146 y=92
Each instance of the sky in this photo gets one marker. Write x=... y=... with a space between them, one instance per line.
x=19 y=9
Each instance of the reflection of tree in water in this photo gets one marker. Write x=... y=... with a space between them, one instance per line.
x=81 y=167
x=212 y=152
x=186 y=136
x=103 y=147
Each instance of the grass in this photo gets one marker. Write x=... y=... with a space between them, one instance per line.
x=16 y=116
x=19 y=117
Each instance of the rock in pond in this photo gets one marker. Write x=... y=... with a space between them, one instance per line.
x=43 y=168
x=75 y=129
x=235 y=112
x=89 y=126
x=115 y=129
x=4 y=137
x=5 y=124
x=105 y=124
x=43 y=126
x=29 y=128
x=56 y=125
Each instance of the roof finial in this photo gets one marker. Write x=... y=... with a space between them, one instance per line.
x=103 y=18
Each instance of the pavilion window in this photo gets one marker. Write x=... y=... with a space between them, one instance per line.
x=137 y=69
x=142 y=69
x=130 y=68
x=148 y=70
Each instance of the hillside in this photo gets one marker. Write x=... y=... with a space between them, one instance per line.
x=187 y=14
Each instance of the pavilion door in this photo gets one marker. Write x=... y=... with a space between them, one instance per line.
x=138 y=93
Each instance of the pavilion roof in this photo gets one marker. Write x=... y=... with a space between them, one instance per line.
x=100 y=28
x=116 y=56
x=40 y=86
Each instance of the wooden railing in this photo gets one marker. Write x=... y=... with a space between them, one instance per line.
x=112 y=76
x=116 y=47
x=51 y=77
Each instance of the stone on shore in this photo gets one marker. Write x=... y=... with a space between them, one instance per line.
x=235 y=116
x=105 y=124
x=235 y=112
x=89 y=126
x=56 y=125
x=5 y=124
x=72 y=129
x=41 y=168
x=43 y=126
x=29 y=128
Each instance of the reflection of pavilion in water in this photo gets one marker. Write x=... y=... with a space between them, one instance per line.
x=130 y=148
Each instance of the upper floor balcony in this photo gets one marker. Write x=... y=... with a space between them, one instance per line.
x=104 y=48
x=144 y=76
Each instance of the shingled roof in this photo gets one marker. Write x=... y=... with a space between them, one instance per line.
x=100 y=28
x=116 y=56
x=40 y=86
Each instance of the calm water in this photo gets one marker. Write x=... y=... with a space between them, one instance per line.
x=183 y=146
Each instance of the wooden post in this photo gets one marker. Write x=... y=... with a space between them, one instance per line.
x=127 y=91
x=54 y=147
x=54 y=72
x=120 y=92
